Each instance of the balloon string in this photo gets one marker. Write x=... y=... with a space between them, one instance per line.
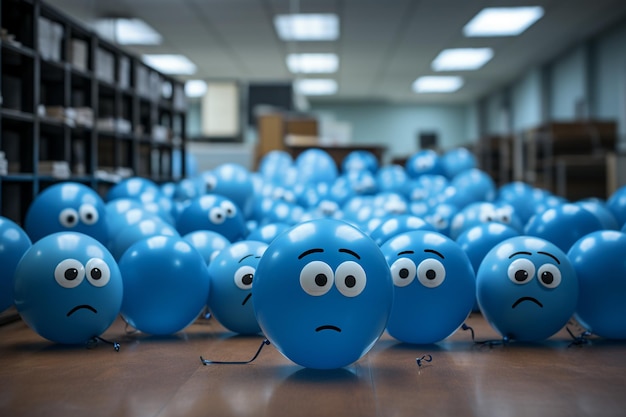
x=94 y=340
x=425 y=358
x=209 y=362
x=466 y=327
x=580 y=340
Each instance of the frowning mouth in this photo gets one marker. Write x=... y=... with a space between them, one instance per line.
x=534 y=300
x=75 y=309
x=328 y=327
x=245 y=300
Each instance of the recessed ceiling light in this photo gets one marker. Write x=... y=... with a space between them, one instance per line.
x=307 y=27
x=170 y=64
x=124 y=31
x=312 y=63
x=458 y=59
x=437 y=84
x=195 y=88
x=502 y=21
x=316 y=86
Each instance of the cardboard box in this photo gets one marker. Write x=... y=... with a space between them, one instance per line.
x=79 y=54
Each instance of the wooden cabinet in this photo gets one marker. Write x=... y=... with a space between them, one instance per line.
x=75 y=107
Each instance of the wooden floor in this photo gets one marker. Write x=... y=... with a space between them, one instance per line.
x=152 y=376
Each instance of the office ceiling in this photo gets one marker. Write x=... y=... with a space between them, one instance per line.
x=383 y=47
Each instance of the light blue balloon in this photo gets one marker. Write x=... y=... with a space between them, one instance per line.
x=207 y=242
x=166 y=284
x=138 y=231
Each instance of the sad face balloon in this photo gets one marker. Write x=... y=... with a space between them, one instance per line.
x=322 y=293
x=527 y=288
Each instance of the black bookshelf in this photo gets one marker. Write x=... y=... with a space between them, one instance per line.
x=76 y=107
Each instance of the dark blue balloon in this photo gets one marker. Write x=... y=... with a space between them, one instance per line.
x=213 y=212
x=14 y=242
x=600 y=264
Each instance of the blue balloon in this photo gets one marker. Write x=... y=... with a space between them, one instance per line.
x=116 y=223
x=232 y=181
x=396 y=225
x=166 y=284
x=138 y=231
x=527 y=288
x=360 y=160
x=14 y=242
x=616 y=203
x=207 y=242
x=392 y=178
x=213 y=212
x=315 y=166
x=232 y=274
x=137 y=188
x=322 y=293
x=424 y=162
x=599 y=262
x=68 y=288
x=274 y=164
x=440 y=217
x=67 y=207
x=477 y=241
x=267 y=233
x=434 y=286
x=599 y=209
x=563 y=225
x=458 y=160
x=483 y=212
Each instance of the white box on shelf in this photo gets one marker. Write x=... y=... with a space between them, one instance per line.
x=79 y=54
x=105 y=65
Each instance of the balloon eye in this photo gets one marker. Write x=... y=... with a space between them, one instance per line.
x=244 y=277
x=229 y=208
x=549 y=275
x=431 y=273
x=350 y=279
x=217 y=215
x=521 y=271
x=316 y=278
x=98 y=272
x=68 y=217
x=403 y=272
x=69 y=273
x=88 y=214
x=210 y=183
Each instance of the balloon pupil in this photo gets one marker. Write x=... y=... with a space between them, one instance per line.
x=71 y=274
x=96 y=273
x=350 y=281
x=521 y=275
x=321 y=280
x=247 y=279
x=404 y=273
x=430 y=274
x=547 y=278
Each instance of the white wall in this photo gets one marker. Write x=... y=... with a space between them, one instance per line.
x=398 y=126
x=568 y=84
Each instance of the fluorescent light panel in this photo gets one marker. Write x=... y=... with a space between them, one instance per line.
x=437 y=84
x=316 y=86
x=195 y=88
x=460 y=59
x=312 y=63
x=307 y=27
x=170 y=64
x=126 y=31
x=502 y=21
